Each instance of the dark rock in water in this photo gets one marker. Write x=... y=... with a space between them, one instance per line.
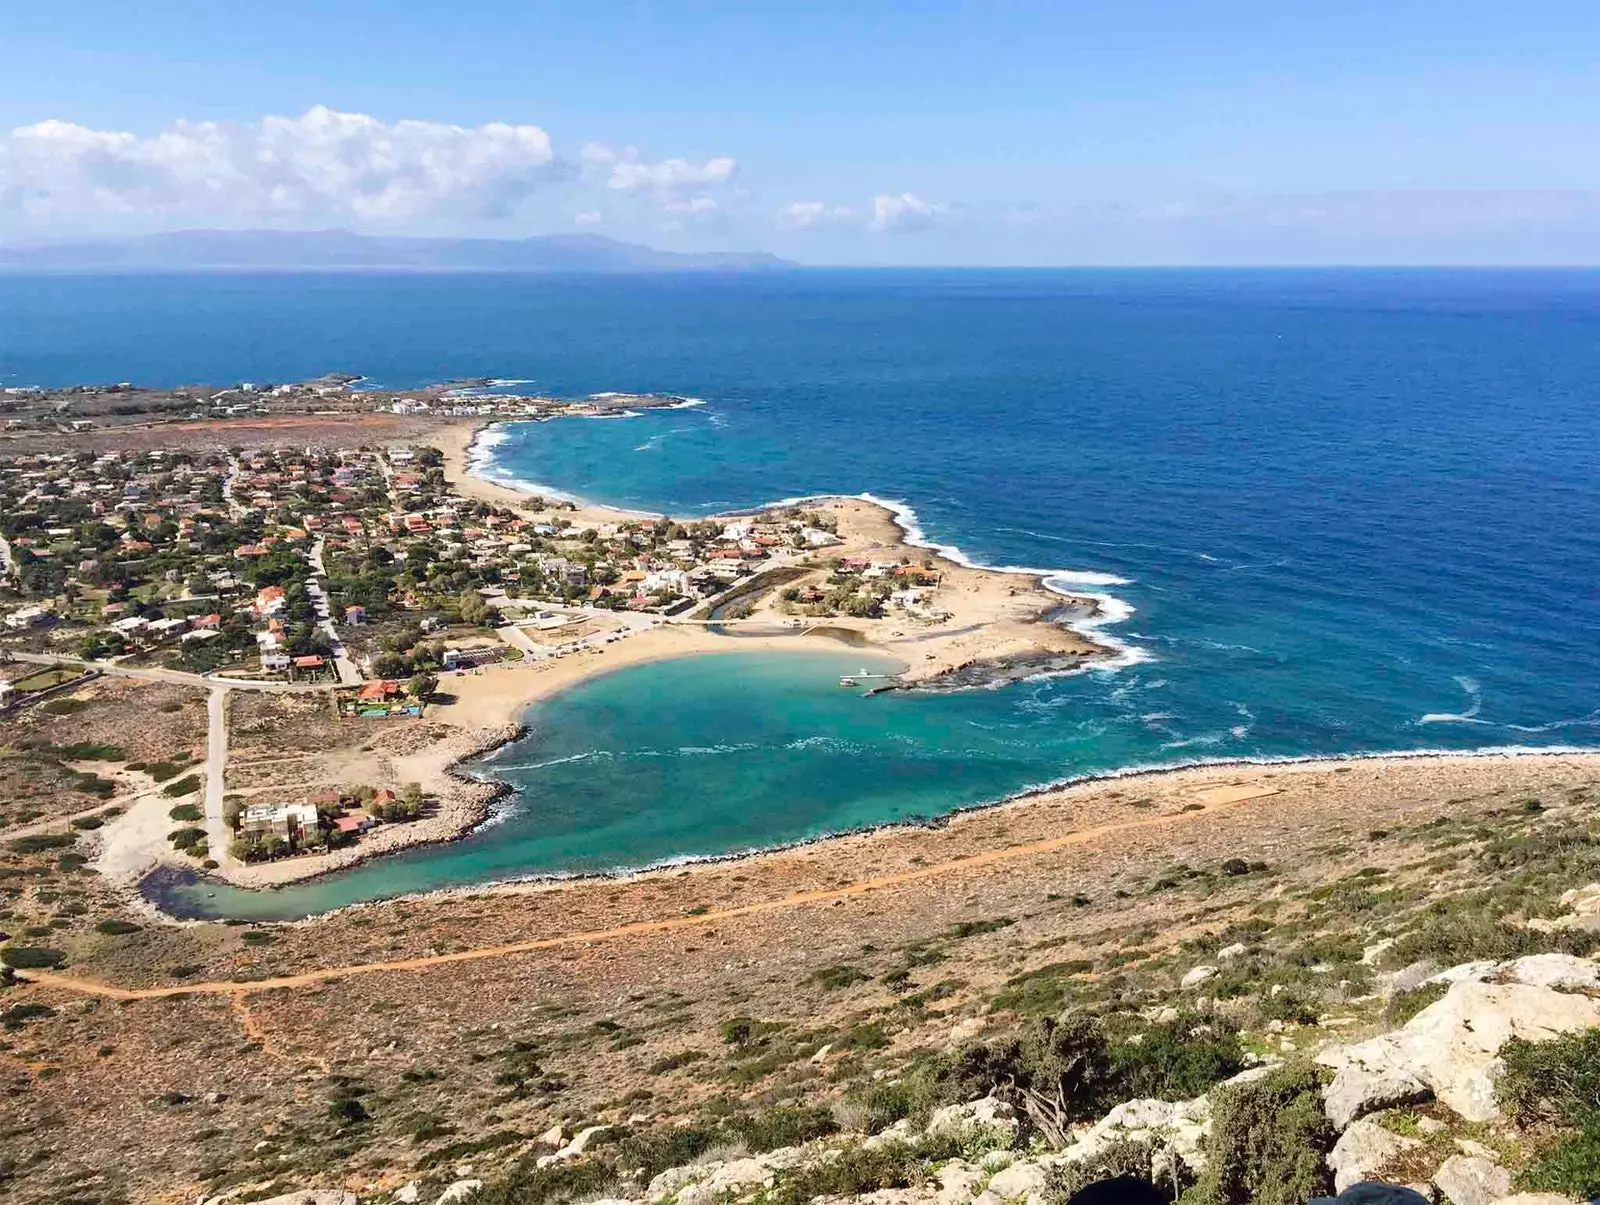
x=999 y=671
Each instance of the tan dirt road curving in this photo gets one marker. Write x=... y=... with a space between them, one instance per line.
x=634 y=929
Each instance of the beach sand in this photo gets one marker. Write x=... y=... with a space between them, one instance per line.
x=979 y=618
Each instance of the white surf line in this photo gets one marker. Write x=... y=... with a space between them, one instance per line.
x=1067 y=583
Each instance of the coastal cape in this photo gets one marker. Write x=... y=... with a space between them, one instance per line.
x=849 y=572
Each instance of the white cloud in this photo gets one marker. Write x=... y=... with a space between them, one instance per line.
x=322 y=164
x=625 y=171
x=904 y=212
x=803 y=215
x=588 y=218
x=694 y=207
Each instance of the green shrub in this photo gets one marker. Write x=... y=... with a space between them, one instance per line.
x=64 y=706
x=31 y=957
x=348 y=1110
x=836 y=978
x=972 y=928
x=787 y=1125
x=673 y=1062
x=187 y=785
x=1042 y=990
x=1127 y=1157
x=19 y=1014
x=86 y=823
x=876 y=1106
x=87 y=751
x=1176 y=1061
x=526 y=1184
x=116 y=928
x=1404 y=1005
x=186 y=838
x=185 y=811
x=40 y=842
x=858 y=1170
x=1569 y=1165
x=1550 y=1082
x=656 y=1149
x=1289 y=1007
x=1268 y=1143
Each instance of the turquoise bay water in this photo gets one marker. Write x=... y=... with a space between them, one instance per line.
x=1353 y=512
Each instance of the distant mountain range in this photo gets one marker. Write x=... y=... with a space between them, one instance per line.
x=324 y=250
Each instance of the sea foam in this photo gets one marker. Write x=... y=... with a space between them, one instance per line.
x=1072 y=584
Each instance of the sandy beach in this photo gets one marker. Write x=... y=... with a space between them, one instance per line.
x=985 y=621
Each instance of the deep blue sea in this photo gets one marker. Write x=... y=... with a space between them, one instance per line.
x=1351 y=511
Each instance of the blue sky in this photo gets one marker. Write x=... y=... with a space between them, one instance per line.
x=1133 y=132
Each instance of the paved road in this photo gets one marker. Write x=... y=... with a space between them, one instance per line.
x=178 y=676
x=349 y=675
x=235 y=470
x=218 y=836
x=518 y=639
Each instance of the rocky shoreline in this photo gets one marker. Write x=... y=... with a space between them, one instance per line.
x=465 y=802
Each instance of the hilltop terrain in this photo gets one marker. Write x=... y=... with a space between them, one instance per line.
x=1250 y=982
x=1233 y=918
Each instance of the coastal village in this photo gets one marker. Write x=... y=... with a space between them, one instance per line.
x=333 y=586
x=254 y=648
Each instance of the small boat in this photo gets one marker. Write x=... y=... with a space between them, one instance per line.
x=848 y=681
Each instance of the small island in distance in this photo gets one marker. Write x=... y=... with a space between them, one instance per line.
x=345 y=251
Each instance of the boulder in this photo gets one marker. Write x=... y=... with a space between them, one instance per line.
x=314 y=1196
x=958 y=1181
x=573 y=1149
x=667 y=1183
x=727 y=1181
x=1471 y=1180
x=1364 y=1150
x=409 y=1195
x=1023 y=1180
x=1535 y=1198
x=1177 y=1130
x=1372 y=953
x=461 y=1190
x=1582 y=901
x=1197 y=975
x=1473 y=971
x=1233 y=951
x=1407 y=978
x=1449 y=1049
x=1554 y=970
x=900 y=1131
x=989 y=1120
x=1369 y=1076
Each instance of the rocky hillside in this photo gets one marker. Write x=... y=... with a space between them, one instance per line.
x=1377 y=969
x=1489 y=1094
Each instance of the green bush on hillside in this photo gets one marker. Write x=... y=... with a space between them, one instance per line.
x=1555 y=1086
x=1268 y=1143
x=31 y=957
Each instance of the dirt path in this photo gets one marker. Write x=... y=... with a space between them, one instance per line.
x=639 y=928
x=217 y=835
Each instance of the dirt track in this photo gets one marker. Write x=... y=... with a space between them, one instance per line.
x=1213 y=801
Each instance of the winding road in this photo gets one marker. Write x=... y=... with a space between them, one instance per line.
x=1214 y=801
